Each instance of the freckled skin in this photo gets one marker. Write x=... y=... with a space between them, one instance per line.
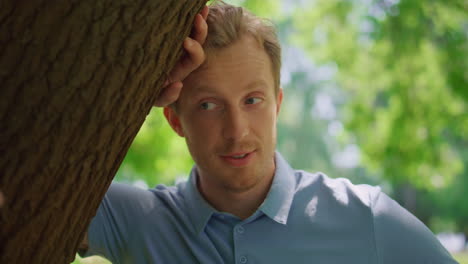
x=229 y=106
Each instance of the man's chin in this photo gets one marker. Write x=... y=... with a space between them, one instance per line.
x=240 y=188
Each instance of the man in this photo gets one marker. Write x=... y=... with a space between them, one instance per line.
x=243 y=203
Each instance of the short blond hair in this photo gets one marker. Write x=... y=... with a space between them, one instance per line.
x=227 y=24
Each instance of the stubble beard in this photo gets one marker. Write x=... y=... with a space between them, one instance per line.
x=234 y=180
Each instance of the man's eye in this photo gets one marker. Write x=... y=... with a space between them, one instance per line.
x=253 y=100
x=208 y=106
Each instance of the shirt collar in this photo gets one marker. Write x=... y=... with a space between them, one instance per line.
x=276 y=205
x=279 y=199
x=198 y=208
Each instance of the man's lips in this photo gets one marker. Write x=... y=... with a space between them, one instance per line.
x=238 y=159
x=236 y=154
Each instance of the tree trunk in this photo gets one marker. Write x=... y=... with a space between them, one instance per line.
x=77 y=80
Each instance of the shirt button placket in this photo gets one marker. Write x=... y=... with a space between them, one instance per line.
x=240 y=229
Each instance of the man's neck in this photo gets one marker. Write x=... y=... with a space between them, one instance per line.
x=239 y=203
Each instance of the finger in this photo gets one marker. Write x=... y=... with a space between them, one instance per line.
x=205 y=12
x=195 y=55
x=200 y=29
x=169 y=95
x=193 y=58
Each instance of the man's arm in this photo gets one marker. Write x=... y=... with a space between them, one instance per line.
x=190 y=61
x=401 y=238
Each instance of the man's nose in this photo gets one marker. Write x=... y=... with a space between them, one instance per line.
x=235 y=124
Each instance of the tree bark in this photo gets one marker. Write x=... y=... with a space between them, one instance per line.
x=77 y=80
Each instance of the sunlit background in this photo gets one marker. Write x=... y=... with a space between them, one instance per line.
x=375 y=91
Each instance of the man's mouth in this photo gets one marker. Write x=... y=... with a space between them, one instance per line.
x=239 y=156
x=239 y=159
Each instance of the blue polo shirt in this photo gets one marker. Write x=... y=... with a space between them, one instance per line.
x=305 y=218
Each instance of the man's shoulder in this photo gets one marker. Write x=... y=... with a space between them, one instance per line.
x=172 y=194
x=135 y=198
x=340 y=189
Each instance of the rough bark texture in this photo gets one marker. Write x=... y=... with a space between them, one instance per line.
x=77 y=79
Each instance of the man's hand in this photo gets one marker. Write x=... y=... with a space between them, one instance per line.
x=190 y=61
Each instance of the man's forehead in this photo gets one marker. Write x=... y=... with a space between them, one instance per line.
x=243 y=65
x=209 y=87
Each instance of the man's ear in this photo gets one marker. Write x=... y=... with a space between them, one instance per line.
x=279 y=100
x=173 y=120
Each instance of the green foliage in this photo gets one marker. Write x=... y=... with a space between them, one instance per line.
x=404 y=72
x=157 y=155
x=90 y=260
x=461 y=257
x=264 y=8
x=271 y=8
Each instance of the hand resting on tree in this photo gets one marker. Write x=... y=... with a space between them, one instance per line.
x=191 y=60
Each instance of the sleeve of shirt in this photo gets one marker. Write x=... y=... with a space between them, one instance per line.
x=401 y=238
x=108 y=233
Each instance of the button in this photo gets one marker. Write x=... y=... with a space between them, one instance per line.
x=240 y=229
x=243 y=259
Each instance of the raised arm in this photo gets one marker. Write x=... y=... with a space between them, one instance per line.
x=194 y=56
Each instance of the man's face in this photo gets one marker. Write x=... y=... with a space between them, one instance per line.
x=227 y=113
